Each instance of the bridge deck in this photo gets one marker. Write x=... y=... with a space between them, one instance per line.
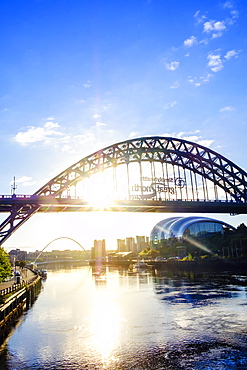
x=51 y=204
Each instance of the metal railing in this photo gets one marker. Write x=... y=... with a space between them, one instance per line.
x=15 y=286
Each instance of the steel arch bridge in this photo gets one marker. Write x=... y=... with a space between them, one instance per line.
x=148 y=174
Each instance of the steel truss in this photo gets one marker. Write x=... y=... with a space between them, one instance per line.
x=184 y=154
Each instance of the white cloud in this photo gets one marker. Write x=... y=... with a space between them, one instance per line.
x=198 y=139
x=230 y=54
x=215 y=62
x=133 y=134
x=50 y=125
x=227 y=4
x=227 y=109
x=87 y=85
x=98 y=124
x=205 y=142
x=96 y=115
x=198 y=81
x=190 y=41
x=170 y=105
x=38 y=134
x=67 y=148
x=216 y=27
x=175 y=85
x=234 y=14
x=191 y=136
x=199 y=18
x=24 y=181
x=172 y=66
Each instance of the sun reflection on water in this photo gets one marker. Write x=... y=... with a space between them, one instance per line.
x=105 y=324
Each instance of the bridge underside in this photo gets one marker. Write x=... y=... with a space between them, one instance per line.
x=77 y=205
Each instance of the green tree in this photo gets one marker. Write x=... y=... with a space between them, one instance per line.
x=5 y=265
x=21 y=263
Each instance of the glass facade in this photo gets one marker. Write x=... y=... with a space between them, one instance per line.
x=180 y=227
x=203 y=229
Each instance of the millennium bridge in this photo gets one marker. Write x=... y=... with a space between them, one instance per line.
x=148 y=174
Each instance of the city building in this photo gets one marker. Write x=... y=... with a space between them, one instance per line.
x=134 y=245
x=99 y=249
x=142 y=243
x=181 y=228
x=17 y=255
x=130 y=245
x=121 y=246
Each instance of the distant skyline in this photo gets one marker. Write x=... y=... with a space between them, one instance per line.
x=79 y=76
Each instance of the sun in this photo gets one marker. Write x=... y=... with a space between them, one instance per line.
x=100 y=190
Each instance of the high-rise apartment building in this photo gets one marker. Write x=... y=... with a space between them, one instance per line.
x=130 y=245
x=121 y=247
x=98 y=249
x=142 y=243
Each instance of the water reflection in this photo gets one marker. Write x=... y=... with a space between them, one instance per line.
x=133 y=321
x=200 y=289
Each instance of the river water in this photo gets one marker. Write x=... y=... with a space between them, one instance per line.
x=132 y=321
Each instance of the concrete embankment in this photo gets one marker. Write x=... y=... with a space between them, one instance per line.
x=15 y=298
x=217 y=265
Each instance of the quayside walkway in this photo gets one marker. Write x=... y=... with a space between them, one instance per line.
x=27 y=275
x=15 y=297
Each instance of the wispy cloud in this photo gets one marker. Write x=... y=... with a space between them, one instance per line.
x=99 y=124
x=192 y=136
x=216 y=28
x=199 y=17
x=231 y=54
x=87 y=85
x=169 y=105
x=24 y=181
x=227 y=109
x=175 y=85
x=198 y=81
x=96 y=115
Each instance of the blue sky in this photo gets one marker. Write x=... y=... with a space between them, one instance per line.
x=77 y=76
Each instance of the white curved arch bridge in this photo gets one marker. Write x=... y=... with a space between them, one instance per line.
x=148 y=174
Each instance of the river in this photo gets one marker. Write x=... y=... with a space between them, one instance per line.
x=132 y=321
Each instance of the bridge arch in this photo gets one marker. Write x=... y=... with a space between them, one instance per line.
x=147 y=169
x=181 y=155
x=61 y=237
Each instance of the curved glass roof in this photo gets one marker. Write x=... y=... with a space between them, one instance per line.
x=176 y=226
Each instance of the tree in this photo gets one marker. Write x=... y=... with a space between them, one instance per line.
x=21 y=263
x=5 y=265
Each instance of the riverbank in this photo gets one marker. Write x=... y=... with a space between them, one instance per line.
x=15 y=298
x=206 y=265
x=200 y=265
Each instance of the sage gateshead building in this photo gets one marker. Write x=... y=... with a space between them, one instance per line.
x=181 y=228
